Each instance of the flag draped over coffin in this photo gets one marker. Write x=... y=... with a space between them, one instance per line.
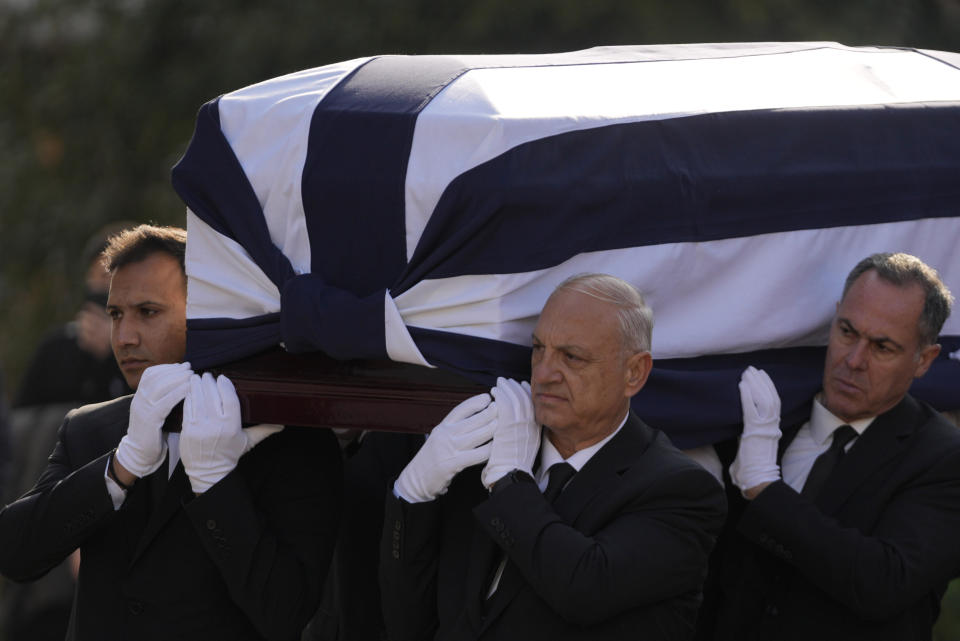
x=422 y=208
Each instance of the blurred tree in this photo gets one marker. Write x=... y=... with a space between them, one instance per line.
x=99 y=97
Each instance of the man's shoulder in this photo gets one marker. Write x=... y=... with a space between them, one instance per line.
x=933 y=425
x=106 y=410
x=107 y=419
x=652 y=453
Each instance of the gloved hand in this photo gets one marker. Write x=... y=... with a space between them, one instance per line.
x=459 y=441
x=516 y=440
x=142 y=449
x=212 y=439
x=756 y=460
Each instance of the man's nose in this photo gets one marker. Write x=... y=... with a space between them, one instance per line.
x=125 y=333
x=858 y=356
x=545 y=370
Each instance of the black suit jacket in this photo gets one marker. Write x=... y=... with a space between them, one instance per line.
x=621 y=554
x=245 y=560
x=870 y=559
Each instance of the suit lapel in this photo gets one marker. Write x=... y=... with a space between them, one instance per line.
x=602 y=471
x=169 y=497
x=881 y=442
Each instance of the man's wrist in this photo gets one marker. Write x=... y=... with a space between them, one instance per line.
x=120 y=475
x=510 y=478
x=753 y=492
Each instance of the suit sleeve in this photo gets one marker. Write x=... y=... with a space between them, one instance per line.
x=272 y=534
x=911 y=549
x=409 y=553
x=54 y=518
x=653 y=548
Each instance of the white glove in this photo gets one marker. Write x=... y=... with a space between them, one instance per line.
x=516 y=440
x=756 y=460
x=142 y=449
x=212 y=439
x=459 y=441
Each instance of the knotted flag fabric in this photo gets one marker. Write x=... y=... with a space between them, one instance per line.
x=422 y=208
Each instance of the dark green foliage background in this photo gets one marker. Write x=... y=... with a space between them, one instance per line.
x=98 y=98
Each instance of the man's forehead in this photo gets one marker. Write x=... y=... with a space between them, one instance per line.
x=879 y=308
x=573 y=318
x=154 y=278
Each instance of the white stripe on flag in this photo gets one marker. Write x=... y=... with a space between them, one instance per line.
x=718 y=297
x=268 y=127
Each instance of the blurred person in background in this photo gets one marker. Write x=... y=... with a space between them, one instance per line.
x=72 y=366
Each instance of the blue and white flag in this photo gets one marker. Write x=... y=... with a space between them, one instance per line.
x=422 y=208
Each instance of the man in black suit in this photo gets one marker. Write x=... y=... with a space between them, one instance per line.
x=852 y=531
x=474 y=551
x=190 y=535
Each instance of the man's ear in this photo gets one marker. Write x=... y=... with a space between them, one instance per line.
x=637 y=370
x=927 y=356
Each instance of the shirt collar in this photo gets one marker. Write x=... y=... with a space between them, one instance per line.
x=549 y=454
x=823 y=423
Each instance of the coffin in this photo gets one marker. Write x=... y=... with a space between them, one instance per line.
x=372 y=240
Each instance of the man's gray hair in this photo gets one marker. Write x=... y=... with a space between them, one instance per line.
x=904 y=270
x=636 y=317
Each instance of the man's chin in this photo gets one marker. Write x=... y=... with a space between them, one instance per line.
x=549 y=419
x=132 y=376
x=841 y=405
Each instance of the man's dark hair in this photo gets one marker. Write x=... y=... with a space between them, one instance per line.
x=904 y=270
x=94 y=247
x=138 y=243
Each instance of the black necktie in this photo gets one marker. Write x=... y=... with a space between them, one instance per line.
x=827 y=461
x=560 y=473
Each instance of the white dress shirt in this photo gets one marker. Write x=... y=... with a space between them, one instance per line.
x=549 y=455
x=118 y=494
x=813 y=439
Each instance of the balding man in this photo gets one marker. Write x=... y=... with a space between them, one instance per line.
x=601 y=530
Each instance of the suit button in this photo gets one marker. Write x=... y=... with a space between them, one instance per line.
x=772 y=610
x=211 y=524
x=135 y=607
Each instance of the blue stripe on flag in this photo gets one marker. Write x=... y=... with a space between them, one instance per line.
x=698 y=178
x=214 y=341
x=353 y=178
x=694 y=400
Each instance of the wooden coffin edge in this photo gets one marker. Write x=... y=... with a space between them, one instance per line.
x=316 y=390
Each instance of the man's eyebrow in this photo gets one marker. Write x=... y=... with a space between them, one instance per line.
x=879 y=340
x=564 y=348
x=137 y=304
